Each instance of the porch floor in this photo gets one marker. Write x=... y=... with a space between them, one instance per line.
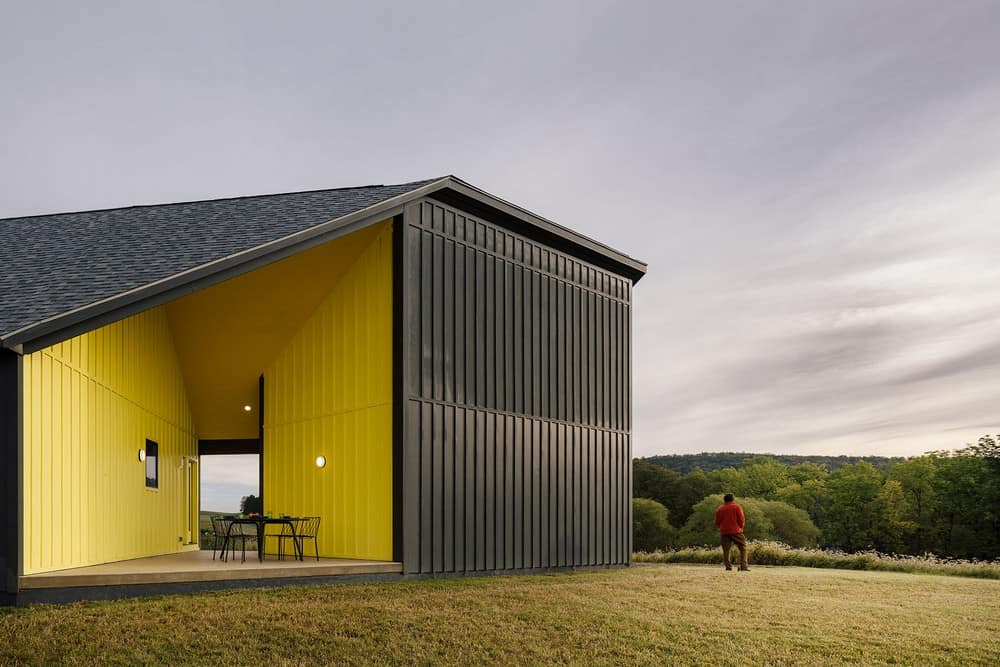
x=197 y=566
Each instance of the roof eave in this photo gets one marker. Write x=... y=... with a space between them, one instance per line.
x=65 y=325
x=85 y=318
x=610 y=258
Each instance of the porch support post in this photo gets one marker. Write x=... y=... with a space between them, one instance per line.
x=11 y=443
x=398 y=397
x=260 y=442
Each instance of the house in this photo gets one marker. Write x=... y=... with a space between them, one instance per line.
x=442 y=376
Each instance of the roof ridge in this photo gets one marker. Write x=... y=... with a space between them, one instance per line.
x=219 y=199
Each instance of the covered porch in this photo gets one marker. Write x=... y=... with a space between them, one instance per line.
x=198 y=566
x=291 y=361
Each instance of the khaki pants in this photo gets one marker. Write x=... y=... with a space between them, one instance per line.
x=740 y=540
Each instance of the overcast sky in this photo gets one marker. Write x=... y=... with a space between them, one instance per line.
x=814 y=185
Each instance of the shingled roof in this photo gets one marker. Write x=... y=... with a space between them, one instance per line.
x=56 y=263
x=52 y=266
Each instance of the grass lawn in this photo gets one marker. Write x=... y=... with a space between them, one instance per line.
x=648 y=614
x=205 y=519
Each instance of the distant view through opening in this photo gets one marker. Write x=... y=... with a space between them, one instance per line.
x=226 y=480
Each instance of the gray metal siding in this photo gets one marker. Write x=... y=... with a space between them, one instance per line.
x=517 y=420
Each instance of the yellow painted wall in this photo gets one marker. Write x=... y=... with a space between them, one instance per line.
x=329 y=392
x=90 y=403
x=227 y=334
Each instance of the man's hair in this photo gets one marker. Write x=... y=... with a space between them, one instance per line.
x=728 y=497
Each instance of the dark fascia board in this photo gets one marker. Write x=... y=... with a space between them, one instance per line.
x=471 y=199
x=449 y=189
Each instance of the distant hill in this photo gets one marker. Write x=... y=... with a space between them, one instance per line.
x=685 y=463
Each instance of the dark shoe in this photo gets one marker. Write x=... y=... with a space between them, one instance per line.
x=728 y=568
x=744 y=568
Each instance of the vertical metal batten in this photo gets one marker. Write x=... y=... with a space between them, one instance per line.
x=517 y=392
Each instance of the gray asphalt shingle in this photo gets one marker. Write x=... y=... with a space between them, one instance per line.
x=51 y=264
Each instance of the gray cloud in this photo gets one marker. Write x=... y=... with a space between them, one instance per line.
x=813 y=186
x=226 y=479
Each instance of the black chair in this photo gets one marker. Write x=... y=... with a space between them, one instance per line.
x=220 y=535
x=240 y=532
x=286 y=531
x=306 y=528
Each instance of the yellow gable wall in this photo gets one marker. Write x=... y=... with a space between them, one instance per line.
x=90 y=403
x=329 y=392
x=226 y=335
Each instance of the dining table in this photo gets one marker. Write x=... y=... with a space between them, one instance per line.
x=261 y=522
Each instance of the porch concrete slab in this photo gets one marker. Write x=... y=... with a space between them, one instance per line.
x=198 y=566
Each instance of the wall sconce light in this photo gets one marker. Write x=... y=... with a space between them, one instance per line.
x=247 y=408
x=142 y=455
x=320 y=461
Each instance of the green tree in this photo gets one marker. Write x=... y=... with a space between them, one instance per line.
x=916 y=477
x=657 y=483
x=725 y=480
x=804 y=472
x=766 y=520
x=891 y=523
x=811 y=495
x=250 y=504
x=962 y=518
x=988 y=450
x=693 y=487
x=651 y=529
x=700 y=527
x=850 y=523
x=761 y=477
x=987 y=447
x=791 y=524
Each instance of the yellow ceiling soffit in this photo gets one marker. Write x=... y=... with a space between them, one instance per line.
x=227 y=334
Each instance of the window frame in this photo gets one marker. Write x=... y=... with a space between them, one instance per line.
x=152 y=451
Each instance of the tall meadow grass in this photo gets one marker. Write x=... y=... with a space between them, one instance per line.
x=776 y=553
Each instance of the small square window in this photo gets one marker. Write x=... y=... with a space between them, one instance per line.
x=152 y=465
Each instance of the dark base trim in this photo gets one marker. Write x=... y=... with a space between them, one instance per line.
x=566 y=569
x=79 y=593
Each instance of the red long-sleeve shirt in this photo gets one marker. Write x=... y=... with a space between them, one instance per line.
x=729 y=518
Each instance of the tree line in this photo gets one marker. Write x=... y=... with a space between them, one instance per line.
x=708 y=461
x=943 y=502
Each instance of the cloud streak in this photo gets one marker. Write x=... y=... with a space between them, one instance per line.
x=814 y=188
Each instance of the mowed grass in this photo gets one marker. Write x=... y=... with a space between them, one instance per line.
x=205 y=520
x=648 y=614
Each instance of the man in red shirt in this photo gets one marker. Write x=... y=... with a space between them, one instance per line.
x=730 y=521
